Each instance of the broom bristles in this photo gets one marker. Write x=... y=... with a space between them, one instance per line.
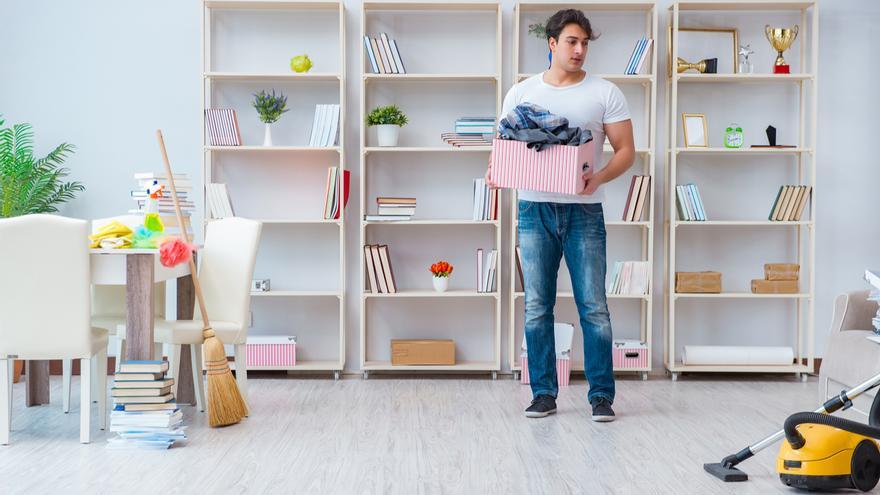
x=226 y=406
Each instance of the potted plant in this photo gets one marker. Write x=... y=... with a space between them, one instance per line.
x=269 y=107
x=441 y=271
x=388 y=120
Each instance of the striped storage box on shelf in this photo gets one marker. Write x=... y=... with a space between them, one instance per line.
x=563 y=371
x=271 y=352
x=557 y=168
x=629 y=354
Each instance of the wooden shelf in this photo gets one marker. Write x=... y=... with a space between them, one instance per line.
x=742 y=78
x=615 y=78
x=739 y=223
x=292 y=76
x=271 y=4
x=297 y=293
x=742 y=151
x=744 y=5
x=454 y=5
x=462 y=366
x=589 y=5
x=570 y=295
x=288 y=221
x=432 y=77
x=301 y=366
x=792 y=368
x=454 y=293
x=739 y=295
x=426 y=149
x=270 y=149
x=619 y=223
x=495 y=223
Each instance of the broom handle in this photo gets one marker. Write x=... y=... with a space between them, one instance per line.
x=192 y=265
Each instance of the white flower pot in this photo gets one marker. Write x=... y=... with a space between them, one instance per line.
x=441 y=283
x=388 y=134
x=267 y=135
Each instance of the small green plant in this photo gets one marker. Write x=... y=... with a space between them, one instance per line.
x=538 y=30
x=27 y=184
x=390 y=114
x=269 y=106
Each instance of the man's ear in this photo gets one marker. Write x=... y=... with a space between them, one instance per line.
x=551 y=42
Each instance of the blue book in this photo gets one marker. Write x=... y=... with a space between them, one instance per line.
x=636 y=54
x=370 y=55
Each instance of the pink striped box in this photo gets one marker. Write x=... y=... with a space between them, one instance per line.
x=563 y=370
x=557 y=168
x=271 y=352
x=629 y=354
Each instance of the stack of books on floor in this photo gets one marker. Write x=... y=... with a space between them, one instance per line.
x=629 y=278
x=790 y=203
x=379 y=272
x=637 y=198
x=325 y=126
x=153 y=180
x=217 y=197
x=460 y=140
x=221 y=127
x=873 y=278
x=639 y=56
x=383 y=55
x=144 y=415
x=336 y=193
x=690 y=203
x=393 y=209
x=485 y=201
x=486 y=271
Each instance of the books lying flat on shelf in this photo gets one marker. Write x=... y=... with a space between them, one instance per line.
x=637 y=198
x=690 y=203
x=144 y=414
x=485 y=201
x=486 y=271
x=325 y=126
x=629 y=278
x=336 y=193
x=475 y=126
x=393 y=209
x=639 y=55
x=380 y=274
x=222 y=127
x=790 y=203
x=217 y=197
x=460 y=140
x=383 y=55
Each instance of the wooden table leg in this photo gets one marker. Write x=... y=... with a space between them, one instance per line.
x=139 y=296
x=37 y=376
x=185 y=305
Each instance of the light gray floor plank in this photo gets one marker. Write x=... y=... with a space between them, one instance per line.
x=424 y=436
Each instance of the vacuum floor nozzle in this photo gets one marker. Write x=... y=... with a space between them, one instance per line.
x=729 y=474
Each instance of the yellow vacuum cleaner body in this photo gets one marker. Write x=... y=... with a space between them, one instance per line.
x=830 y=459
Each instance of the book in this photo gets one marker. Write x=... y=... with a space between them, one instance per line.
x=399 y=201
x=644 y=56
x=383 y=37
x=380 y=270
x=167 y=406
x=159 y=383
x=804 y=199
x=143 y=367
x=371 y=57
x=396 y=54
x=336 y=193
x=775 y=207
x=371 y=271
x=629 y=278
x=387 y=269
x=638 y=56
x=380 y=57
x=144 y=400
x=480 y=270
x=222 y=127
x=137 y=377
x=397 y=210
x=643 y=198
x=139 y=392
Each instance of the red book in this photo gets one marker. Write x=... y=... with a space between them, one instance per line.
x=346 y=186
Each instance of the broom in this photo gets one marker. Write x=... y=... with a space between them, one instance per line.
x=225 y=403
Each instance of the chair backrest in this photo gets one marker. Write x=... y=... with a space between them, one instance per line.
x=44 y=287
x=227 y=268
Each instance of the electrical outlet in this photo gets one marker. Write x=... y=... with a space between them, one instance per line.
x=250 y=319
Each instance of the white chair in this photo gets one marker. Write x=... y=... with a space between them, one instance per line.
x=44 y=307
x=226 y=269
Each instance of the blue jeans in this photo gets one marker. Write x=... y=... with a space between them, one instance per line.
x=548 y=231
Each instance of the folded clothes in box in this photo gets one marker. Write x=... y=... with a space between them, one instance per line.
x=760 y=286
x=698 y=282
x=557 y=168
x=781 y=271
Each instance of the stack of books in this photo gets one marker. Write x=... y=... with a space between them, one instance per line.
x=475 y=125
x=460 y=140
x=485 y=201
x=637 y=198
x=325 y=126
x=379 y=272
x=393 y=209
x=629 y=278
x=221 y=125
x=153 y=180
x=336 y=193
x=690 y=203
x=217 y=197
x=383 y=55
x=144 y=414
x=873 y=278
x=486 y=271
x=639 y=55
x=790 y=203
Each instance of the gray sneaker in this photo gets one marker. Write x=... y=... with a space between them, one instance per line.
x=542 y=406
x=602 y=411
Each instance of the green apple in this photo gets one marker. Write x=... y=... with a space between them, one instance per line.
x=300 y=63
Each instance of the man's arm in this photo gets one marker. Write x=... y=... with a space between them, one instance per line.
x=620 y=135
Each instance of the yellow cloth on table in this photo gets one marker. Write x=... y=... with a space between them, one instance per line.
x=114 y=234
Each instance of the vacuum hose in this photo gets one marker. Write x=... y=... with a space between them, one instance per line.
x=796 y=440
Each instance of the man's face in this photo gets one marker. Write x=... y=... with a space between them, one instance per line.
x=570 y=51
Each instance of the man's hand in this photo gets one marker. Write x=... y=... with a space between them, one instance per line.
x=593 y=182
x=488 y=175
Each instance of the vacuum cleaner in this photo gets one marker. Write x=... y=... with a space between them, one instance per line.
x=820 y=452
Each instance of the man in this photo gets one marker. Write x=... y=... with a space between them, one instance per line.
x=556 y=225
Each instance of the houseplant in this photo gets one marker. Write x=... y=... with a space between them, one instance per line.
x=441 y=271
x=388 y=120
x=269 y=107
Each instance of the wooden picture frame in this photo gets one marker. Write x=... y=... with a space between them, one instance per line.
x=696 y=122
x=670 y=69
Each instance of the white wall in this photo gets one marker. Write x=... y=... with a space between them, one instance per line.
x=104 y=75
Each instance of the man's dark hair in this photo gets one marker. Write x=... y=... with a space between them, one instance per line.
x=557 y=22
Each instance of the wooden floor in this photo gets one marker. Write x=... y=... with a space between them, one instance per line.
x=426 y=436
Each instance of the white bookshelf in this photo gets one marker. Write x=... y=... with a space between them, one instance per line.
x=766 y=98
x=283 y=185
x=621 y=23
x=441 y=85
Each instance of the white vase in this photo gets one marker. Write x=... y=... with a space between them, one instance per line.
x=441 y=283
x=267 y=135
x=388 y=134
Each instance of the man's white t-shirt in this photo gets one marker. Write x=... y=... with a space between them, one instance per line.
x=587 y=104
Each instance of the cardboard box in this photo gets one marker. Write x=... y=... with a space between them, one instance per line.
x=698 y=282
x=422 y=352
x=270 y=352
x=781 y=271
x=557 y=168
x=761 y=286
x=563 y=371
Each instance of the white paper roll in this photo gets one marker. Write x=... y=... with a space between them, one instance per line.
x=737 y=355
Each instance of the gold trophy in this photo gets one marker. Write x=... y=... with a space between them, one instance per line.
x=706 y=66
x=781 y=39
